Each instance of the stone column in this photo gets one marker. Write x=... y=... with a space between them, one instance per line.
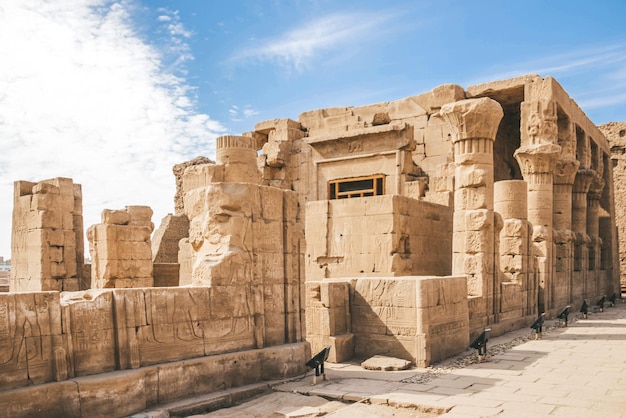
x=564 y=176
x=593 y=231
x=518 y=284
x=474 y=124
x=536 y=157
x=237 y=154
x=582 y=183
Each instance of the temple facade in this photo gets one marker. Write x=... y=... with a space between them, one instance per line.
x=506 y=184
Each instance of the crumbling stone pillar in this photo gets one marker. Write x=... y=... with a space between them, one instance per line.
x=473 y=124
x=518 y=284
x=536 y=157
x=47 y=237
x=244 y=242
x=238 y=156
x=120 y=248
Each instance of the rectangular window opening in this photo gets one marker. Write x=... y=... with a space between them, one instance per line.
x=356 y=187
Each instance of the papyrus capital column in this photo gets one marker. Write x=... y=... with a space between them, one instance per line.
x=537 y=158
x=474 y=124
x=582 y=183
x=564 y=176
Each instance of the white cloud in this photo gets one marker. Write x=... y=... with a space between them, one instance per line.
x=238 y=115
x=296 y=48
x=82 y=96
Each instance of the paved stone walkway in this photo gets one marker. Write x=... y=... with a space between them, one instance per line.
x=577 y=371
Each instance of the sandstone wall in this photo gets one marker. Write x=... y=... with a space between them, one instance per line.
x=121 y=250
x=615 y=132
x=44 y=338
x=377 y=236
x=47 y=236
x=420 y=319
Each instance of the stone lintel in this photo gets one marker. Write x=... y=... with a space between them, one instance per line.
x=381 y=138
x=360 y=133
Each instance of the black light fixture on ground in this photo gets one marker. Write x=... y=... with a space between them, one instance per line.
x=538 y=325
x=600 y=303
x=480 y=343
x=563 y=315
x=584 y=309
x=317 y=363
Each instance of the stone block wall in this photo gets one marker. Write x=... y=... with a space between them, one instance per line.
x=328 y=319
x=420 y=319
x=377 y=236
x=121 y=250
x=615 y=132
x=47 y=237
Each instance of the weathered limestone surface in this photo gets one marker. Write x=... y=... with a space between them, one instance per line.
x=328 y=321
x=127 y=392
x=165 y=247
x=377 y=236
x=178 y=171
x=47 y=238
x=121 y=248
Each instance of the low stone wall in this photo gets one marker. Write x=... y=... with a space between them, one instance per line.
x=420 y=319
x=123 y=393
x=49 y=336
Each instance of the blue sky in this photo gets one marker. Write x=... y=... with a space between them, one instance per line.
x=114 y=93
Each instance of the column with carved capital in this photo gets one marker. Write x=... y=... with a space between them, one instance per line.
x=564 y=176
x=536 y=157
x=593 y=231
x=582 y=183
x=474 y=124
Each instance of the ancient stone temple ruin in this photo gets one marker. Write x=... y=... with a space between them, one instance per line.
x=402 y=228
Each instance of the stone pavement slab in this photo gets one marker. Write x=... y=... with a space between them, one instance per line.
x=579 y=370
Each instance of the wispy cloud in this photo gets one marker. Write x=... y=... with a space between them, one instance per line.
x=582 y=60
x=296 y=48
x=83 y=96
x=237 y=114
x=595 y=76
